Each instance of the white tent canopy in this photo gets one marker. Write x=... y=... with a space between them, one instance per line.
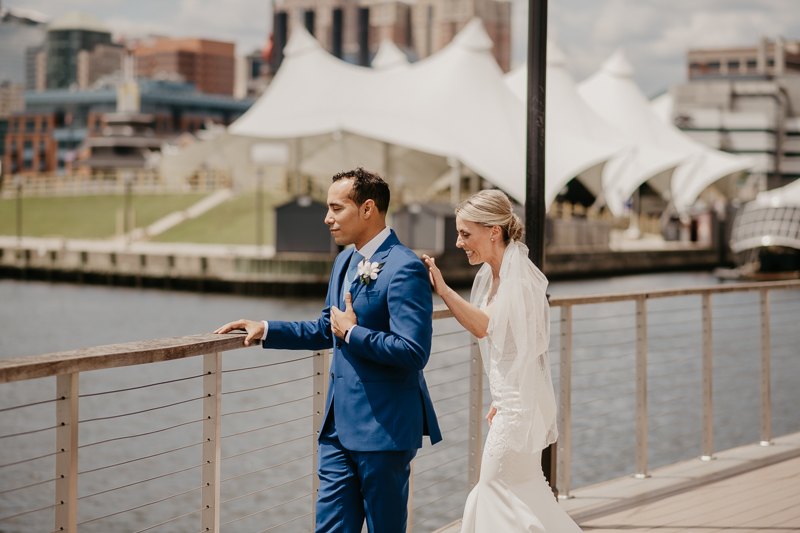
x=578 y=143
x=453 y=105
x=389 y=56
x=614 y=95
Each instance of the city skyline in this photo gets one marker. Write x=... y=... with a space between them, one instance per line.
x=655 y=34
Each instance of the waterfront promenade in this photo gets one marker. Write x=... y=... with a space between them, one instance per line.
x=196 y=433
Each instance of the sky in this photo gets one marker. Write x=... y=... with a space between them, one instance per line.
x=655 y=34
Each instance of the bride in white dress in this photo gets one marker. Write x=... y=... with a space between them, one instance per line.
x=509 y=314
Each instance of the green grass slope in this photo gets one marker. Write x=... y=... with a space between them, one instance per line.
x=86 y=217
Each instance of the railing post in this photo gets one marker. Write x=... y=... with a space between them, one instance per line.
x=564 y=402
x=67 y=393
x=641 y=388
x=766 y=408
x=212 y=440
x=708 y=390
x=321 y=369
x=410 y=504
x=475 y=412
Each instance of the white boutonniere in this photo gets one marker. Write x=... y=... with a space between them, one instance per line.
x=368 y=271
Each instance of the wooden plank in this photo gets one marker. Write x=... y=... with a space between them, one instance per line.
x=117 y=355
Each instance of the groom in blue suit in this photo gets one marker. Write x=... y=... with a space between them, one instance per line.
x=377 y=319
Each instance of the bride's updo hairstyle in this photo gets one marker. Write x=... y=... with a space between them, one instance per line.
x=492 y=208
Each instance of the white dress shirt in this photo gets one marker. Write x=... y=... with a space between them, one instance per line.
x=366 y=251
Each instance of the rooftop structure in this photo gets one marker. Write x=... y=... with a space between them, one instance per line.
x=353 y=29
x=209 y=65
x=67 y=37
x=768 y=58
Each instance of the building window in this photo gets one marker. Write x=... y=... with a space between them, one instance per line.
x=44 y=125
x=694 y=66
x=733 y=64
x=27 y=154
x=713 y=65
x=752 y=64
x=30 y=125
x=97 y=125
x=771 y=63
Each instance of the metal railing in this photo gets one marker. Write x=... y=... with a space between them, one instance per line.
x=112 y=182
x=173 y=434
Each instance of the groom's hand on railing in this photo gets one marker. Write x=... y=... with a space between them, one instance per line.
x=255 y=330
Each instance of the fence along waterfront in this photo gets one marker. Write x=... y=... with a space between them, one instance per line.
x=205 y=440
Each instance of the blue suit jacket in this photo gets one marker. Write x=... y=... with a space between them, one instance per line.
x=381 y=399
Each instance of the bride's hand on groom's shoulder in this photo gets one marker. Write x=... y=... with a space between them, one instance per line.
x=439 y=286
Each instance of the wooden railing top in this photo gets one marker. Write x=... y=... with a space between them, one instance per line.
x=167 y=349
x=117 y=355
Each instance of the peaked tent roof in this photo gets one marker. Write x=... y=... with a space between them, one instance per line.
x=389 y=56
x=614 y=95
x=579 y=142
x=451 y=104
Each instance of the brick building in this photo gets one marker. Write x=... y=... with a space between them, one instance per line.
x=353 y=29
x=209 y=65
x=29 y=145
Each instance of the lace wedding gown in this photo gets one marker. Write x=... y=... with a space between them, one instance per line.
x=512 y=494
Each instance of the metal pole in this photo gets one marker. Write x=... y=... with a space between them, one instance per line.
x=259 y=212
x=564 y=402
x=475 y=413
x=708 y=389
x=212 y=442
x=766 y=411
x=66 y=502
x=19 y=212
x=534 y=173
x=322 y=366
x=641 y=388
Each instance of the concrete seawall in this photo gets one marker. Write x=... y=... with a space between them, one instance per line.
x=241 y=271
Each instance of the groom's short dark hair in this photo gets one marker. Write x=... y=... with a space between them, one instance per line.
x=366 y=186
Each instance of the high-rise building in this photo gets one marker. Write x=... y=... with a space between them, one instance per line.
x=353 y=29
x=747 y=101
x=209 y=65
x=67 y=37
x=776 y=57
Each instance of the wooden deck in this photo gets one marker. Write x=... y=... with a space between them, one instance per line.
x=746 y=489
x=767 y=499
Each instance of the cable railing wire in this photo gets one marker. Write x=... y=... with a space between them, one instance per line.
x=420 y=489
x=140 y=458
x=2 y=519
x=31 y=432
x=265 y=427
x=265 y=510
x=141 y=434
x=142 y=481
x=112 y=417
x=28 y=486
x=438 y=514
x=268 y=406
x=15 y=407
x=284 y=523
x=431 y=469
x=267 y=365
x=266 y=489
x=268 y=446
x=266 y=386
x=22 y=461
x=266 y=468
x=91 y=394
x=168 y=521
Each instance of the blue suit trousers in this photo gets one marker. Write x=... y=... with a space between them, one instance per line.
x=355 y=486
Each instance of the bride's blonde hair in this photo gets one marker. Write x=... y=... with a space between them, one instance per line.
x=492 y=208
